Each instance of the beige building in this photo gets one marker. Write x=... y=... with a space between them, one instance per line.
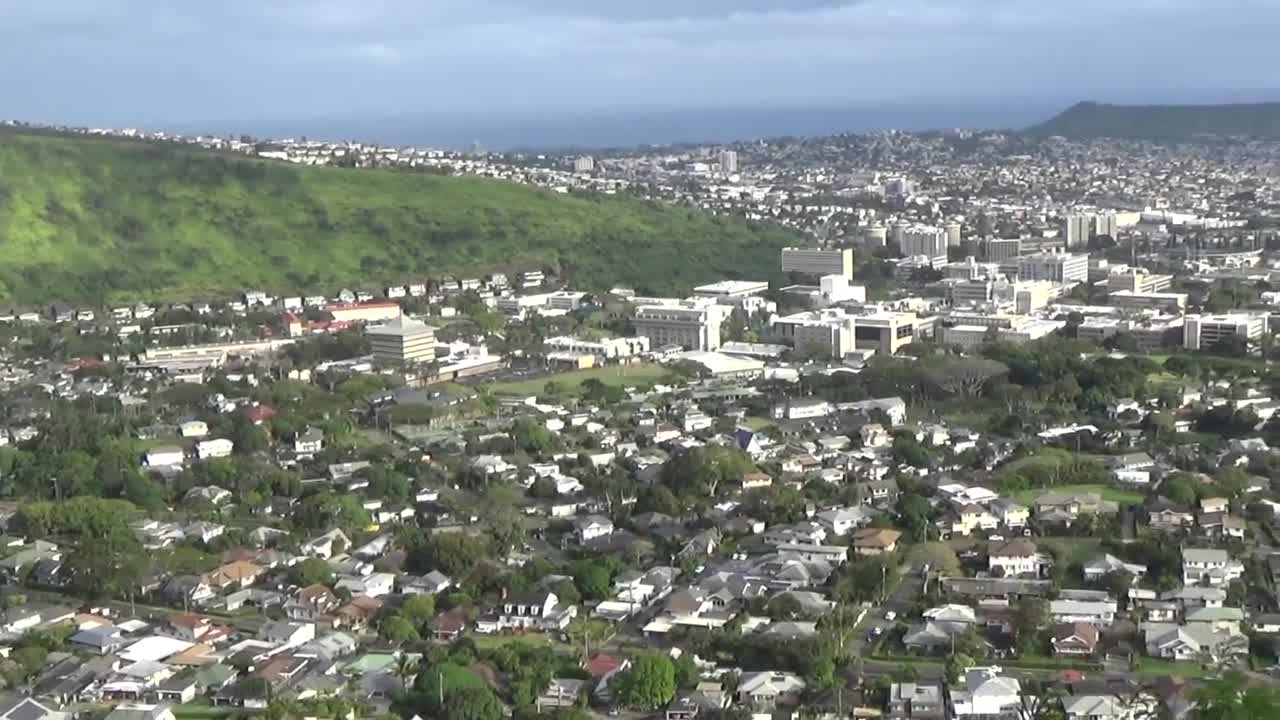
x=1139 y=282
x=403 y=341
x=1131 y=300
x=1201 y=332
x=886 y=333
x=692 y=326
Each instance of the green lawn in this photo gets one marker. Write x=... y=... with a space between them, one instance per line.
x=533 y=640
x=1124 y=497
x=756 y=423
x=619 y=376
x=1074 y=549
x=1149 y=667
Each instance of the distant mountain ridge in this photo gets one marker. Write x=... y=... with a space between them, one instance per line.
x=1163 y=122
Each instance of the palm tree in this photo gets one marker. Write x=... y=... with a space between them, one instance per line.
x=406 y=668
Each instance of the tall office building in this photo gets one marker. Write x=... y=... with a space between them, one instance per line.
x=403 y=341
x=818 y=262
x=1107 y=223
x=1075 y=230
x=584 y=164
x=1054 y=267
x=953 y=234
x=694 y=326
x=729 y=161
x=928 y=241
x=1000 y=250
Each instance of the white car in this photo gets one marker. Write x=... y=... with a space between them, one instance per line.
x=891 y=616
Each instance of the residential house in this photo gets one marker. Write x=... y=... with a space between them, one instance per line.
x=916 y=701
x=769 y=690
x=1167 y=517
x=984 y=692
x=238 y=574
x=1219 y=524
x=1070 y=611
x=25 y=708
x=1209 y=567
x=1075 y=639
x=1011 y=514
x=1214 y=505
x=358 y=613
x=1014 y=558
x=591 y=527
x=1099 y=567
x=194 y=628
x=1187 y=642
x=532 y=611
x=843 y=520
x=875 y=541
x=1098 y=707
x=311 y=603
x=432 y=583
x=327 y=545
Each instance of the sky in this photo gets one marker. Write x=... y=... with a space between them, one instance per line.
x=223 y=64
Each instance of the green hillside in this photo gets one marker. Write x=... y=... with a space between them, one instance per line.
x=95 y=220
x=1163 y=122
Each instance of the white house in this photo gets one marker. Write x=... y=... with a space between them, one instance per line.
x=1014 y=558
x=985 y=692
x=1209 y=566
x=591 y=527
x=371 y=585
x=770 y=689
x=1100 y=567
x=193 y=428
x=326 y=545
x=1073 y=611
x=165 y=456
x=216 y=448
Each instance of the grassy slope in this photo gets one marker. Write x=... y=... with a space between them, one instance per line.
x=93 y=220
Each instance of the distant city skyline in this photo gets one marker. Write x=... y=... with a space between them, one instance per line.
x=403 y=70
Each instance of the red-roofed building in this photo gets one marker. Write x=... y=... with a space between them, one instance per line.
x=603 y=665
x=259 y=414
x=368 y=312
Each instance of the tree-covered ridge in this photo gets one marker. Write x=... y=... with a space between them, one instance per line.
x=95 y=220
x=1163 y=122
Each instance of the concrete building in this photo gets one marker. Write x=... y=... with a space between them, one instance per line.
x=691 y=325
x=965 y=337
x=972 y=292
x=1054 y=267
x=368 y=312
x=886 y=333
x=1204 y=331
x=1028 y=329
x=828 y=331
x=875 y=236
x=1139 y=282
x=728 y=161
x=605 y=349
x=1130 y=300
x=998 y=250
x=952 y=229
x=1106 y=224
x=1076 y=229
x=403 y=341
x=1151 y=334
x=927 y=241
x=584 y=164
x=818 y=262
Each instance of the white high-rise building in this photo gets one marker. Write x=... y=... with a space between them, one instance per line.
x=1054 y=267
x=927 y=241
x=728 y=161
x=816 y=261
x=953 y=234
x=584 y=164
x=1107 y=223
x=1075 y=230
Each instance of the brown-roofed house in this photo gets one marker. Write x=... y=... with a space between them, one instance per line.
x=1077 y=639
x=358 y=613
x=875 y=541
x=239 y=574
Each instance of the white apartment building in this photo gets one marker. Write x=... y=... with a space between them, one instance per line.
x=1205 y=331
x=1054 y=267
x=695 y=326
x=403 y=341
x=816 y=261
x=930 y=242
x=1076 y=229
x=1132 y=300
x=728 y=161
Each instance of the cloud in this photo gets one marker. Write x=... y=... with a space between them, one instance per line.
x=187 y=60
